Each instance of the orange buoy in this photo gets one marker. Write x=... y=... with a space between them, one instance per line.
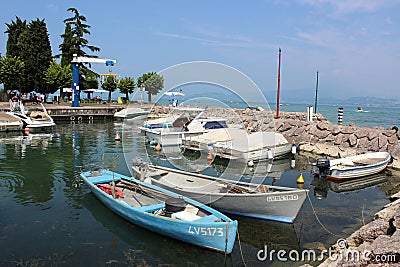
x=117 y=137
x=27 y=130
x=210 y=156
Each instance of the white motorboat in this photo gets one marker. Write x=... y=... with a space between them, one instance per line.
x=246 y=199
x=351 y=167
x=32 y=114
x=255 y=147
x=206 y=141
x=131 y=113
x=171 y=133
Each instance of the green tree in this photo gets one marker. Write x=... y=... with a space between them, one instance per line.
x=110 y=85
x=36 y=54
x=127 y=86
x=67 y=47
x=152 y=82
x=14 y=30
x=58 y=76
x=78 y=30
x=11 y=72
x=76 y=43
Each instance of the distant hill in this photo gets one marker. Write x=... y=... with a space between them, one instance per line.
x=362 y=101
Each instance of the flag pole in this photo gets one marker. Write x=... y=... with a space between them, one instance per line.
x=279 y=84
x=316 y=95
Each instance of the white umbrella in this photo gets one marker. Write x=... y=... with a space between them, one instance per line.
x=174 y=94
x=101 y=91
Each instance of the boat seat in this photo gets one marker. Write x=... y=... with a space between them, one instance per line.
x=103 y=179
x=209 y=218
x=185 y=216
x=191 y=209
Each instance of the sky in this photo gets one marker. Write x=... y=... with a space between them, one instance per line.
x=354 y=45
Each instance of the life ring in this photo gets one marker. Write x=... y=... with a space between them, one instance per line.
x=79 y=118
x=72 y=118
x=90 y=118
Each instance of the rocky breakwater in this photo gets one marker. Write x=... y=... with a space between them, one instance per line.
x=319 y=136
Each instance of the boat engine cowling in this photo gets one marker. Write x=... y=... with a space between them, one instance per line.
x=174 y=204
x=323 y=165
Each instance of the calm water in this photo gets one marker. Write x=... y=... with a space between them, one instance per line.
x=48 y=217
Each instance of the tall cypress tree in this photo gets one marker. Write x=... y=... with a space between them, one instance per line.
x=14 y=30
x=78 y=30
x=67 y=47
x=75 y=43
x=36 y=54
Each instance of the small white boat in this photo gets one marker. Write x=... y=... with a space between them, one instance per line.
x=206 y=141
x=10 y=122
x=352 y=167
x=183 y=126
x=254 y=147
x=131 y=113
x=32 y=114
x=245 y=199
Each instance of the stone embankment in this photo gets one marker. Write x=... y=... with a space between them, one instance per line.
x=319 y=136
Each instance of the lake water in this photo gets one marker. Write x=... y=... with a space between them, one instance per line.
x=48 y=217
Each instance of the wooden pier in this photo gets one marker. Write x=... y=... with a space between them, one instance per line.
x=61 y=112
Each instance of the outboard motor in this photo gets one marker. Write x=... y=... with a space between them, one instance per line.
x=174 y=204
x=323 y=164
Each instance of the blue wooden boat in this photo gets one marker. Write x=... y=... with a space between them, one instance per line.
x=163 y=211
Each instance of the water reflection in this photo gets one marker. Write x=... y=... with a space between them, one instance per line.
x=40 y=188
x=322 y=185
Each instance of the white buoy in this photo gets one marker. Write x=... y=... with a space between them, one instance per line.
x=250 y=163
x=294 y=149
x=293 y=163
x=269 y=154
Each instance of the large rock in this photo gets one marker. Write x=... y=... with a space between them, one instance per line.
x=368 y=233
x=389 y=210
x=382 y=140
x=373 y=134
x=352 y=140
x=361 y=133
x=385 y=246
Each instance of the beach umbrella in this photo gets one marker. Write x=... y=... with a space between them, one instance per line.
x=174 y=94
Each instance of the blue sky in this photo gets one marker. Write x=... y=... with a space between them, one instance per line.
x=355 y=44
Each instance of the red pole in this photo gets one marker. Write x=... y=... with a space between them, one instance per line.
x=279 y=84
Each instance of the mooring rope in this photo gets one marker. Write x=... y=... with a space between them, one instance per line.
x=240 y=249
x=318 y=220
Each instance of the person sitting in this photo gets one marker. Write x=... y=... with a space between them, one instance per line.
x=15 y=98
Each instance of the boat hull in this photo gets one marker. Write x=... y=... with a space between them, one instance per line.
x=281 y=206
x=210 y=234
x=272 y=203
x=345 y=169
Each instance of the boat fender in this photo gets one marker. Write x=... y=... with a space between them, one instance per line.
x=72 y=118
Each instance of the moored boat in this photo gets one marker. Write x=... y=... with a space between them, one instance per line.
x=352 y=167
x=33 y=115
x=131 y=113
x=241 y=198
x=162 y=211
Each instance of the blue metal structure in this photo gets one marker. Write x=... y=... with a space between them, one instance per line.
x=76 y=63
